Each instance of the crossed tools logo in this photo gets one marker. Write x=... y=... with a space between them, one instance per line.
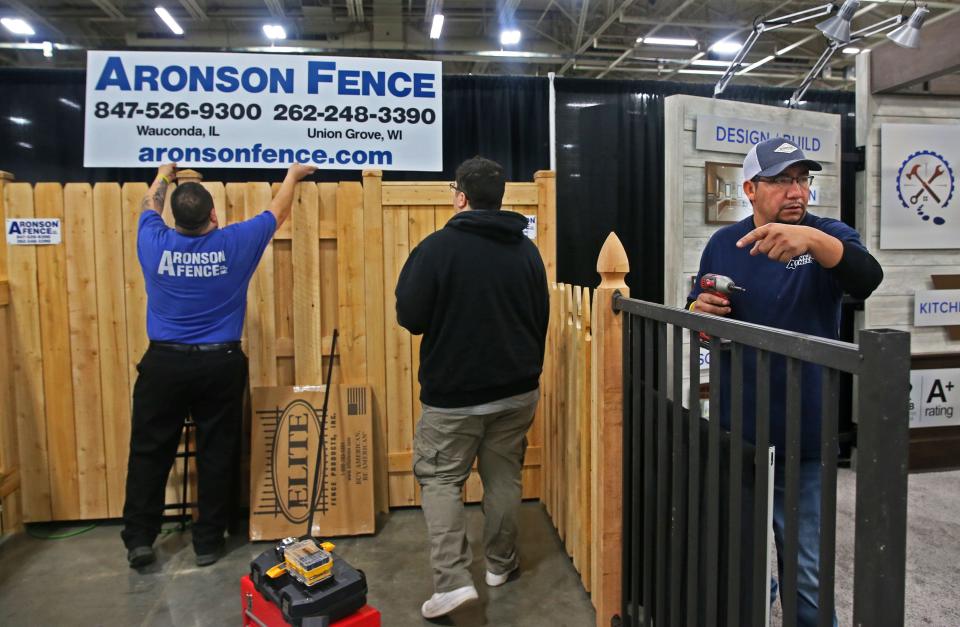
x=925 y=183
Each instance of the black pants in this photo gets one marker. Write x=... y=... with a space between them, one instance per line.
x=209 y=386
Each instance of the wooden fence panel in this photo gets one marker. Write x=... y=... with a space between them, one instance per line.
x=28 y=364
x=261 y=300
x=57 y=377
x=334 y=264
x=399 y=355
x=375 y=332
x=307 y=303
x=329 y=284
x=78 y=236
x=583 y=428
x=112 y=327
x=11 y=519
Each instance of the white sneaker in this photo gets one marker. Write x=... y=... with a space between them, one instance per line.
x=498 y=580
x=442 y=603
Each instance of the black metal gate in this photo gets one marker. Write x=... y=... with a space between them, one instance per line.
x=695 y=501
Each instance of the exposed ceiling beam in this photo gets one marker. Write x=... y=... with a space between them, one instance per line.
x=735 y=33
x=585 y=4
x=109 y=8
x=194 y=9
x=601 y=30
x=509 y=8
x=673 y=15
x=355 y=10
x=653 y=70
x=275 y=7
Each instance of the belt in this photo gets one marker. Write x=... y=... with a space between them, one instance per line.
x=190 y=348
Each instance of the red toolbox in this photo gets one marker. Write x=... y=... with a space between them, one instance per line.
x=257 y=611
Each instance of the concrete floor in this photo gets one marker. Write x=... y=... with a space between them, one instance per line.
x=85 y=580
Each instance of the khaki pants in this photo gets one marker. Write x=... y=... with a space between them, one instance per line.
x=444 y=448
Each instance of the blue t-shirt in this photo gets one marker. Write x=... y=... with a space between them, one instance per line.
x=197 y=286
x=800 y=296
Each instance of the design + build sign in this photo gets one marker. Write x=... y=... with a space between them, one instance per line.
x=723 y=134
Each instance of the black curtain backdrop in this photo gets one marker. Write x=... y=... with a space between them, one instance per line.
x=610 y=170
x=503 y=118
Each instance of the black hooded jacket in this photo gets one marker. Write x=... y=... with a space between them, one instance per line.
x=477 y=291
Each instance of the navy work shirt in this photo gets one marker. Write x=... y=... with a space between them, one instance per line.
x=800 y=296
x=197 y=286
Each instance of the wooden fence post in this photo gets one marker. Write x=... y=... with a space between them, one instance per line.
x=5 y=179
x=10 y=492
x=607 y=421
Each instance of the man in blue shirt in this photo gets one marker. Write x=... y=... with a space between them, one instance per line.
x=795 y=268
x=196 y=277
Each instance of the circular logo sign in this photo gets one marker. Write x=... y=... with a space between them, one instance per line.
x=294 y=449
x=925 y=184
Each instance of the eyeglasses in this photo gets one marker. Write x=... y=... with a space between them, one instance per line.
x=453 y=187
x=785 y=181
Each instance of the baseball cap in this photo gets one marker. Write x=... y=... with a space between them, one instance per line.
x=773 y=156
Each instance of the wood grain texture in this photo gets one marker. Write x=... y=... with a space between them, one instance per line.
x=28 y=364
x=261 y=300
x=307 y=304
x=112 y=329
x=399 y=400
x=57 y=378
x=374 y=316
x=79 y=238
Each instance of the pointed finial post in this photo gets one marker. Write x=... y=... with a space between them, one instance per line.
x=607 y=420
x=612 y=263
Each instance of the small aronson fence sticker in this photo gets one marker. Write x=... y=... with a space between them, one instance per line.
x=531 y=230
x=33 y=231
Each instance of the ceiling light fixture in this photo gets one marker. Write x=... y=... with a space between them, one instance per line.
x=851 y=50
x=760 y=26
x=667 y=41
x=910 y=41
x=908 y=35
x=837 y=28
x=437 y=26
x=274 y=31
x=47 y=48
x=169 y=21
x=17 y=26
x=711 y=62
x=726 y=47
x=510 y=37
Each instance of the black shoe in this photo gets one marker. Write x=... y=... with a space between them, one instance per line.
x=140 y=556
x=210 y=557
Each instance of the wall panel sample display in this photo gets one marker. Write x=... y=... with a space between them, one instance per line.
x=919 y=208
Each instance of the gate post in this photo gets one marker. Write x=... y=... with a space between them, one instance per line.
x=607 y=432
x=882 y=448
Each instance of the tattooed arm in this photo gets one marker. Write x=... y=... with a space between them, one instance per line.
x=157 y=193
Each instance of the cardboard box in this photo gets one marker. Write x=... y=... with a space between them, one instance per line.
x=286 y=434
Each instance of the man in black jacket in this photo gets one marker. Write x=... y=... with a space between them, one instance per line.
x=477 y=291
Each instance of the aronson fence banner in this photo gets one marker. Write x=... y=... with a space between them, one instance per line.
x=207 y=109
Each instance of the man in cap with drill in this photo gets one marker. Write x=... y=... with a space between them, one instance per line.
x=794 y=268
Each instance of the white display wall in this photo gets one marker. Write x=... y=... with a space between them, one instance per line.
x=909 y=270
